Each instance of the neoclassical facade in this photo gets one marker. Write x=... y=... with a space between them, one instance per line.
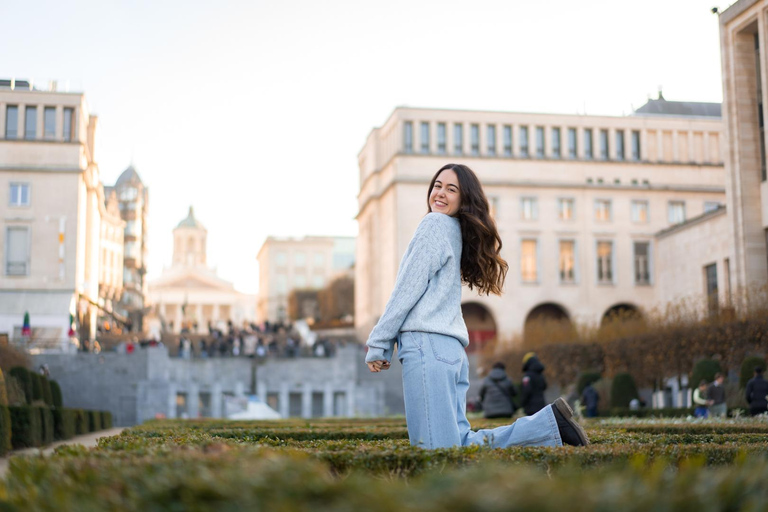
x=61 y=237
x=189 y=295
x=577 y=199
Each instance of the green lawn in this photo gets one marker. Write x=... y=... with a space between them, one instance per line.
x=367 y=464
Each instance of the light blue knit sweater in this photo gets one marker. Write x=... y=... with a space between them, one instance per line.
x=427 y=294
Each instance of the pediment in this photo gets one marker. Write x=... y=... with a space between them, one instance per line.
x=191 y=281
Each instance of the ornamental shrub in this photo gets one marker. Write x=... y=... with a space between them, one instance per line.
x=81 y=422
x=63 y=423
x=3 y=393
x=24 y=379
x=94 y=421
x=106 y=420
x=748 y=369
x=26 y=427
x=704 y=369
x=56 y=394
x=623 y=390
x=37 y=387
x=587 y=378
x=46 y=424
x=5 y=430
x=47 y=392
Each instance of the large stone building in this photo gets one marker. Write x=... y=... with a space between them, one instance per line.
x=133 y=206
x=287 y=264
x=721 y=257
x=577 y=199
x=61 y=237
x=189 y=295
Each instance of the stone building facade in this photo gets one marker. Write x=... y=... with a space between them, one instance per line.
x=61 y=240
x=577 y=199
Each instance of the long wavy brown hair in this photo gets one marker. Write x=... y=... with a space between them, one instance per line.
x=481 y=264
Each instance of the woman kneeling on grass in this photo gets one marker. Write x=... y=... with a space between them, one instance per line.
x=455 y=242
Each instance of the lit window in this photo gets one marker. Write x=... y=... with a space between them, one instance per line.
x=605 y=262
x=603 y=210
x=640 y=212
x=528 y=261
x=567 y=261
x=565 y=209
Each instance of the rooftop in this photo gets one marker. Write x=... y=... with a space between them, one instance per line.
x=662 y=107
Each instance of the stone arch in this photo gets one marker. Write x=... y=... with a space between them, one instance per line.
x=481 y=325
x=622 y=312
x=548 y=323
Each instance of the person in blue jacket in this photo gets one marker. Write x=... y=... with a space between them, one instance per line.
x=456 y=241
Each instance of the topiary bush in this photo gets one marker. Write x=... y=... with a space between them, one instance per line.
x=5 y=430
x=106 y=420
x=24 y=379
x=56 y=394
x=81 y=422
x=587 y=378
x=37 y=387
x=623 y=390
x=47 y=392
x=63 y=423
x=26 y=427
x=705 y=369
x=46 y=425
x=748 y=369
x=94 y=421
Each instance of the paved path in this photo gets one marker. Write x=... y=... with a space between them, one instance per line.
x=88 y=440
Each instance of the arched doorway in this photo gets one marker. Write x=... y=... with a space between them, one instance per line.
x=548 y=323
x=481 y=325
x=623 y=313
x=621 y=320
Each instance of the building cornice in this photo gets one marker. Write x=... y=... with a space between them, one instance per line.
x=691 y=222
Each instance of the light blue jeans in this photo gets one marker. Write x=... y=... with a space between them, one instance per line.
x=435 y=384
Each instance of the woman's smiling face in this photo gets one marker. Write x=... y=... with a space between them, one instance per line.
x=445 y=196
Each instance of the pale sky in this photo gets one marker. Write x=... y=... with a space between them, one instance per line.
x=254 y=111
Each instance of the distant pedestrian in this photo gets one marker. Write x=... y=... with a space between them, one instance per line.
x=497 y=392
x=534 y=384
x=590 y=398
x=716 y=393
x=701 y=401
x=757 y=393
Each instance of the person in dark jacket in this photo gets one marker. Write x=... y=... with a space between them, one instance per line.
x=534 y=384
x=757 y=389
x=590 y=398
x=496 y=393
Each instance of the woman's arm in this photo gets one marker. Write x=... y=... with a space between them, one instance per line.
x=425 y=255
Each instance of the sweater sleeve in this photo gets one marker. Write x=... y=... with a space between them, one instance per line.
x=426 y=254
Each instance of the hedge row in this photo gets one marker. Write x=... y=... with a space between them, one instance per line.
x=34 y=426
x=268 y=479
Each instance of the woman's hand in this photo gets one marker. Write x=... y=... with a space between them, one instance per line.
x=377 y=366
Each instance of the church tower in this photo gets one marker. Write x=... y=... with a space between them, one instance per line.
x=189 y=242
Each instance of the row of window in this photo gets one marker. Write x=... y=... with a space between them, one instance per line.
x=557 y=150
x=568 y=262
x=299 y=259
x=29 y=126
x=603 y=210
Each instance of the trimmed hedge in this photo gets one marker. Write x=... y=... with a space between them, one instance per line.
x=669 y=412
x=63 y=423
x=5 y=430
x=47 y=392
x=94 y=421
x=623 y=390
x=106 y=420
x=46 y=425
x=81 y=422
x=24 y=379
x=26 y=427
x=37 y=387
x=56 y=394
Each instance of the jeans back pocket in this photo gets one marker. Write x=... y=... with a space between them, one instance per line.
x=446 y=349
